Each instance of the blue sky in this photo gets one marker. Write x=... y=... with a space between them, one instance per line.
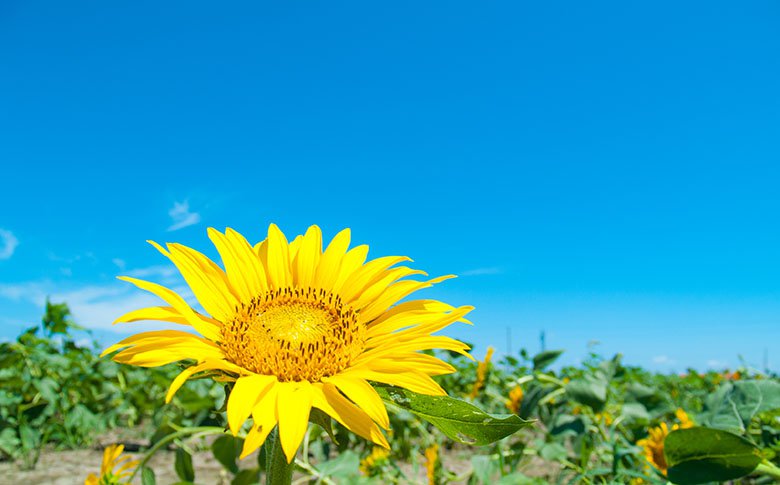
x=601 y=171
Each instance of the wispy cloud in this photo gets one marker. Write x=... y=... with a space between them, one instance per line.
x=717 y=364
x=93 y=306
x=161 y=271
x=181 y=216
x=8 y=243
x=482 y=271
x=120 y=263
x=662 y=359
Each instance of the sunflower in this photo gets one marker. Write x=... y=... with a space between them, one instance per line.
x=296 y=328
x=515 y=399
x=111 y=459
x=653 y=444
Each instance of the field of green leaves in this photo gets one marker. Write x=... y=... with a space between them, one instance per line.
x=516 y=421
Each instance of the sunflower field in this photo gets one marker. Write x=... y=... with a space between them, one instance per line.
x=311 y=366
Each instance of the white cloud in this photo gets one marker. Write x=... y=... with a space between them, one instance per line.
x=94 y=306
x=714 y=363
x=662 y=359
x=8 y=243
x=181 y=216
x=159 y=270
x=120 y=263
x=481 y=271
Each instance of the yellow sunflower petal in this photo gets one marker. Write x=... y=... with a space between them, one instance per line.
x=180 y=379
x=278 y=258
x=159 y=313
x=410 y=379
x=355 y=284
x=353 y=260
x=394 y=293
x=330 y=262
x=328 y=398
x=293 y=407
x=308 y=257
x=242 y=266
x=265 y=418
x=152 y=349
x=245 y=394
x=362 y=394
x=208 y=330
x=207 y=281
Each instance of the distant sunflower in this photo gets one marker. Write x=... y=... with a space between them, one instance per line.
x=297 y=328
x=108 y=474
x=653 y=444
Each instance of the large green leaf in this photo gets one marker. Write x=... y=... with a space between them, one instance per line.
x=459 y=420
x=701 y=455
x=733 y=406
x=589 y=391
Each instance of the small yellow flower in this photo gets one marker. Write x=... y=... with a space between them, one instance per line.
x=515 y=399
x=370 y=464
x=605 y=418
x=297 y=327
x=431 y=460
x=654 y=443
x=111 y=460
x=482 y=368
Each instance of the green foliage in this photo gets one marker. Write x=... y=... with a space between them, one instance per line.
x=582 y=424
x=56 y=391
x=701 y=455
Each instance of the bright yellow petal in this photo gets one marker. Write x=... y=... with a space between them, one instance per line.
x=158 y=313
x=355 y=284
x=412 y=380
x=425 y=326
x=328 y=268
x=362 y=394
x=265 y=418
x=151 y=349
x=380 y=284
x=278 y=258
x=207 y=281
x=242 y=265
x=208 y=330
x=328 y=398
x=394 y=293
x=308 y=257
x=245 y=394
x=351 y=262
x=292 y=408
x=182 y=378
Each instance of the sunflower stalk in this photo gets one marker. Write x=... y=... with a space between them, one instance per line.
x=278 y=471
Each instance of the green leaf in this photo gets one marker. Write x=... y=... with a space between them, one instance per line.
x=700 y=455
x=589 y=391
x=248 y=476
x=459 y=420
x=733 y=406
x=147 y=476
x=31 y=438
x=553 y=452
x=226 y=450
x=9 y=443
x=183 y=465
x=546 y=358
x=344 y=465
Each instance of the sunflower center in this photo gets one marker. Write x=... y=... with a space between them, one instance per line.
x=295 y=334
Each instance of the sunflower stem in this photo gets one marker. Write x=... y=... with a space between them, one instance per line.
x=278 y=471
